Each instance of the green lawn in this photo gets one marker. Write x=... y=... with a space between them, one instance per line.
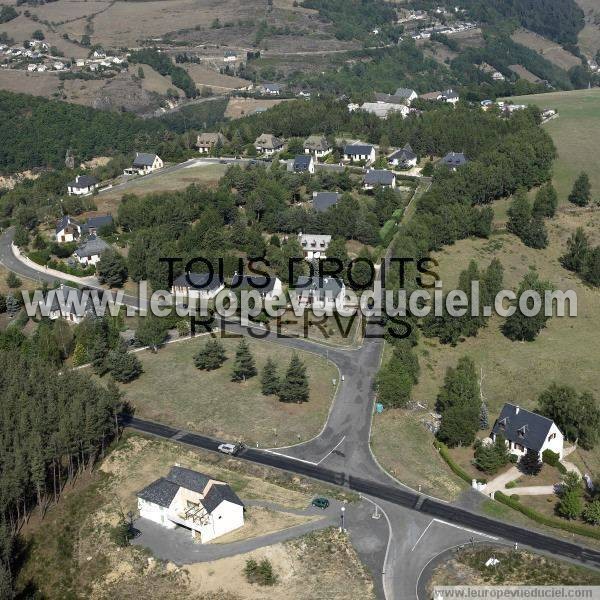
x=174 y=391
x=576 y=134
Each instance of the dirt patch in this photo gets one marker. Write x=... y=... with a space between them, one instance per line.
x=548 y=49
x=524 y=73
x=204 y=76
x=240 y=107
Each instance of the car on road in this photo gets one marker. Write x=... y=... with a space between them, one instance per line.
x=232 y=449
x=321 y=503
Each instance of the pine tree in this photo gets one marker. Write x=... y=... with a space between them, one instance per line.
x=211 y=356
x=591 y=513
x=570 y=505
x=111 y=269
x=243 y=367
x=98 y=354
x=484 y=416
x=269 y=379
x=294 y=387
x=2 y=304
x=123 y=366
x=591 y=267
x=12 y=305
x=581 y=192
x=12 y=281
x=530 y=464
x=536 y=235
x=519 y=215
x=577 y=249
x=546 y=201
x=151 y=331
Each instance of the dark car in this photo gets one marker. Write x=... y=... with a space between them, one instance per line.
x=322 y=503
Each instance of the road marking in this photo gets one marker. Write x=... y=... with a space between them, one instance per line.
x=332 y=451
x=424 y=532
x=466 y=529
x=308 y=462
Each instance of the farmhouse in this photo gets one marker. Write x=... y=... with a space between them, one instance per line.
x=356 y=152
x=206 y=506
x=383 y=109
x=90 y=251
x=404 y=158
x=268 y=144
x=303 y=163
x=144 y=163
x=454 y=160
x=67 y=303
x=83 y=184
x=270 y=89
x=320 y=292
x=406 y=94
x=67 y=230
x=268 y=287
x=205 y=142
x=524 y=430
x=321 y=201
x=379 y=177
x=197 y=285
x=314 y=246
x=94 y=224
x=449 y=96
x=317 y=145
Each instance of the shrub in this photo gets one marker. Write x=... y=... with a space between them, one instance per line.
x=456 y=469
x=550 y=458
x=260 y=573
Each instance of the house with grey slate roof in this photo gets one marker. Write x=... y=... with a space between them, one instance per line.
x=379 y=178
x=144 y=163
x=404 y=158
x=197 y=285
x=323 y=293
x=525 y=430
x=207 y=507
x=69 y=303
x=269 y=287
x=94 y=224
x=358 y=152
x=321 y=201
x=314 y=246
x=303 y=163
x=67 y=230
x=90 y=251
x=83 y=184
x=454 y=160
x=406 y=94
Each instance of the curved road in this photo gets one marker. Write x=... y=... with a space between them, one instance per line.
x=419 y=527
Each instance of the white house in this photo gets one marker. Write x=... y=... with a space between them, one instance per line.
x=303 y=163
x=356 y=152
x=270 y=89
x=269 y=287
x=524 y=430
x=67 y=303
x=317 y=145
x=268 y=144
x=449 y=96
x=229 y=56
x=379 y=177
x=90 y=251
x=83 y=184
x=144 y=163
x=205 y=142
x=383 y=109
x=314 y=246
x=407 y=94
x=454 y=160
x=404 y=158
x=320 y=292
x=67 y=230
x=206 y=506
x=197 y=285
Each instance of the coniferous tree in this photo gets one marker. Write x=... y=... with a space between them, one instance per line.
x=294 y=387
x=244 y=366
x=581 y=192
x=546 y=201
x=519 y=215
x=98 y=354
x=111 y=269
x=269 y=379
x=530 y=464
x=536 y=235
x=123 y=366
x=12 y=281
x=570 y=504
x=591 y=267
x=2 y=304
x=12 y=305
x=577 y=249
x=151 y=331
x=484 y=415
x=211 y=356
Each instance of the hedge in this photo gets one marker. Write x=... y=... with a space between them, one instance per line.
x=456 y=468
x=544 y=520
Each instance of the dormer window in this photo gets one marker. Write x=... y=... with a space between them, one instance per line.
x=502 y=423
x=522 y=431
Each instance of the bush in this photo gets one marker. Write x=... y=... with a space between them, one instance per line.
x=456 y=469
x=260 y=573
x=550 y=458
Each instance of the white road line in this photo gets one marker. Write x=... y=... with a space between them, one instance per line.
x=466 y=529
x=424 y=532
x=332 y=451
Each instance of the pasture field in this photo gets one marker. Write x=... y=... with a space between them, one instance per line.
x=203 y=76
x=546 y=48
x=576 y=134
x=589 y=36
x=172 y=390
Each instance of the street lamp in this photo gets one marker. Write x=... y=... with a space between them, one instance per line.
x=343 y=509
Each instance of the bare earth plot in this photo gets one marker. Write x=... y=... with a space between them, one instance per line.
x=524 y=73
x=550 y=50
x=172 y=390
x=564 y=352
x=239 y=107
x=203 y=76
x=576 y=134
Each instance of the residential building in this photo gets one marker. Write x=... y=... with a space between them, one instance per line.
x=303 y=163
x=524 y=430
x=144 y=163
x=379 y=177
x=206 y=506
x=197 y=285
x=357 y=152
x=90 y=251
x=268 y=144
x=269 y=287
x=384 y=109
x=454 y=160
x=83 y=184
x=205 y=142
x=404 y=158
x=321 y=201
x=407 y=94
x=229 y=56
x=314 y=246
x=67 y=303
x=322 y=293
x=449 y=96
x=94 y=224
x=390 y=98
x=67 y=230
x=270 y=89
x=317 y=145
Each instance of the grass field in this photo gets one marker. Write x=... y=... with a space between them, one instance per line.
x=548 y=49
x=172 y=390
x=589 y=36
x=564 y=352
x=576 y=134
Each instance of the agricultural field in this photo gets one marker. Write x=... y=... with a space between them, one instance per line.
x=512 y=371
x=589 y=36
x=524 y=73
x=205 y=77
x=240 y=107
x=548 y=49
x=73 y=550
x=576 y=134
x=172 y=390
